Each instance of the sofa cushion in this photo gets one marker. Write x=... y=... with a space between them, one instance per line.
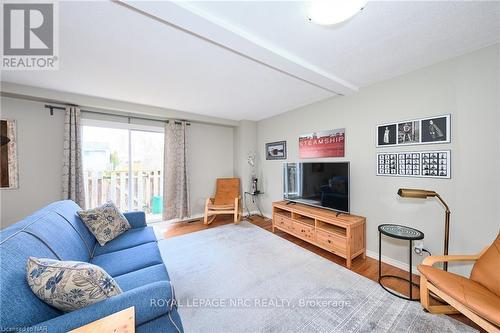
x=142 y=277
x=68 y=209
x=24 y=309
x=59 y=236
x=137 y=219
x=466 y=291
x=105 y=222
x=69 y=285
x=129 y=260
x=485 y=270
x=129 y=239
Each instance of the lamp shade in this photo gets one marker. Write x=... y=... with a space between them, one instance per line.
x=414 y=193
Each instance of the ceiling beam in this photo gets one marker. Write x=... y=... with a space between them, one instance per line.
x=191 y=20
x=44 y=95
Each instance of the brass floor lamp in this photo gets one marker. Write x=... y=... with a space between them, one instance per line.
x=423 y=194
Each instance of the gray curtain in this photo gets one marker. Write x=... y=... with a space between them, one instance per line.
x=73 y=188
x=175 y=171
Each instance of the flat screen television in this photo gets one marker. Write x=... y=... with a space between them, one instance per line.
x=318 y=184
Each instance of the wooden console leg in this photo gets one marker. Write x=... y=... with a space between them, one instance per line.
x=348 y=263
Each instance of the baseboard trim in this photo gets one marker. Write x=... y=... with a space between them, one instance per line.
x=189 y=219
x=197 y=217
x=392 y=262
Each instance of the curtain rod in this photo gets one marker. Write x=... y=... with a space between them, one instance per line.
x=55 y=107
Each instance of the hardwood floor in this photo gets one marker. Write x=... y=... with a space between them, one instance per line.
x=366 y=267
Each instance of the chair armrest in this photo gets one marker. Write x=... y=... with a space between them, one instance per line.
x=150 y=301
x=136 y=219
x=431 y=260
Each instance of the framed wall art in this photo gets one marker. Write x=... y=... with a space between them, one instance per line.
x=276 y=150
x=430 y=130
x=8 y=155
x=429 y=164
x=322 y=144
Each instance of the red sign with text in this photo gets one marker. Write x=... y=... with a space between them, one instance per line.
x=323 y=144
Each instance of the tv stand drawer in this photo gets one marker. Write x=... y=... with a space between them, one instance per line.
x=330 y=240
x=303 y=230
x=283 y=222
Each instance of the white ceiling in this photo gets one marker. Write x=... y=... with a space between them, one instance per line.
x=250 y=60
x=386 y=39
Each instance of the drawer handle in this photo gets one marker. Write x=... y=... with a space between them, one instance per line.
x=329 y=241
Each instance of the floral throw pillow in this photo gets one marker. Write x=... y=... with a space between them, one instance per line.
x=69 y=285
x=105 y=222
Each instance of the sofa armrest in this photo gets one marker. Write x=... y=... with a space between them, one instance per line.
x=150 y=301
x=136 y=219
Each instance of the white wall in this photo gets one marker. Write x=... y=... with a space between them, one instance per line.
x=40 y=142
x=245 y=144
x=39 y=149
x=466 y=87
x=210 y=157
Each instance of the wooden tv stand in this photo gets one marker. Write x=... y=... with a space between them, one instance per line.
x=340 y=234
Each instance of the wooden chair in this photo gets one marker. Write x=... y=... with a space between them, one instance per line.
x=227 y=200
x=477 y=297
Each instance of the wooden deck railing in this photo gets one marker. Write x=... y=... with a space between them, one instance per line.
x=101 y=186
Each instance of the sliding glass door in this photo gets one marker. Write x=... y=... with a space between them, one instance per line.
x=147 y=172
x=123 y=163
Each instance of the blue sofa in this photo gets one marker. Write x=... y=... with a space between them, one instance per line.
x=132 y=259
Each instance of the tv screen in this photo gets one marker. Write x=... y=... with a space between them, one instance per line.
x=318 y=184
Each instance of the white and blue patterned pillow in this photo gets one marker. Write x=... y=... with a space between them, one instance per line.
x=69 y=285
x=105 y=222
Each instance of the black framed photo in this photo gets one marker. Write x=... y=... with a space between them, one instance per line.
x=387 y=135
x=409 y=132
x=436 y=130
x=276 y=150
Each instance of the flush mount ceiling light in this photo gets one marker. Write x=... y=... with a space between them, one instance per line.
x=328 y=12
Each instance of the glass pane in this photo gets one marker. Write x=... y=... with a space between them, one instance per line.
x=105 y=166
x=147 y=173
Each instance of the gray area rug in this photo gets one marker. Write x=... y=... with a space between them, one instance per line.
x=241 y=278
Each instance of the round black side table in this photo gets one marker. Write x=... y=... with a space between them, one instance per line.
x=398 y=232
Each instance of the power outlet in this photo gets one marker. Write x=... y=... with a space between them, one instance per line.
x=418 y=246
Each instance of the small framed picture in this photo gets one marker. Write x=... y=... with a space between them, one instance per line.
x=409 y=132
x=436 y=130
x=276 y=150
x=387 y=135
